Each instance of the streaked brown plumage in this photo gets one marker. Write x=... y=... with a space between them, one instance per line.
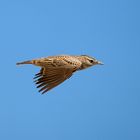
x=56 y=69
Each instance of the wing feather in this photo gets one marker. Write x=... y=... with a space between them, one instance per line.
x=49 y=78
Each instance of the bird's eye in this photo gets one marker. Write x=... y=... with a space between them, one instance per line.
x=91 y=61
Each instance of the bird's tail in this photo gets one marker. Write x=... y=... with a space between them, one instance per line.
x=25 y=62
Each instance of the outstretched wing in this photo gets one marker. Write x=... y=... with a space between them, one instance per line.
x=49 y=78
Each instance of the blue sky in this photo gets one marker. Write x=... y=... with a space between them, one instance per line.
x=100 y=103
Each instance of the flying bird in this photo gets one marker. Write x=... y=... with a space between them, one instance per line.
x=56 y=69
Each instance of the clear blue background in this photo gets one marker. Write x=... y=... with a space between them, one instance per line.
x=100 y=103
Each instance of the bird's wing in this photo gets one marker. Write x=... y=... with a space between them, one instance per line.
x=67 y=62
x=50 y=78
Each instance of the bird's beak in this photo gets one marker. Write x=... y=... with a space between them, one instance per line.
x=100 y=63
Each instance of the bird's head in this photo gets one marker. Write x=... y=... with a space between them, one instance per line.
x=88 y=61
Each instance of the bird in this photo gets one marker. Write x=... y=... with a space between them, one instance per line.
x=56 y=69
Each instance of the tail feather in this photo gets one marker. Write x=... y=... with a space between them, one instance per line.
x=24 y=62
